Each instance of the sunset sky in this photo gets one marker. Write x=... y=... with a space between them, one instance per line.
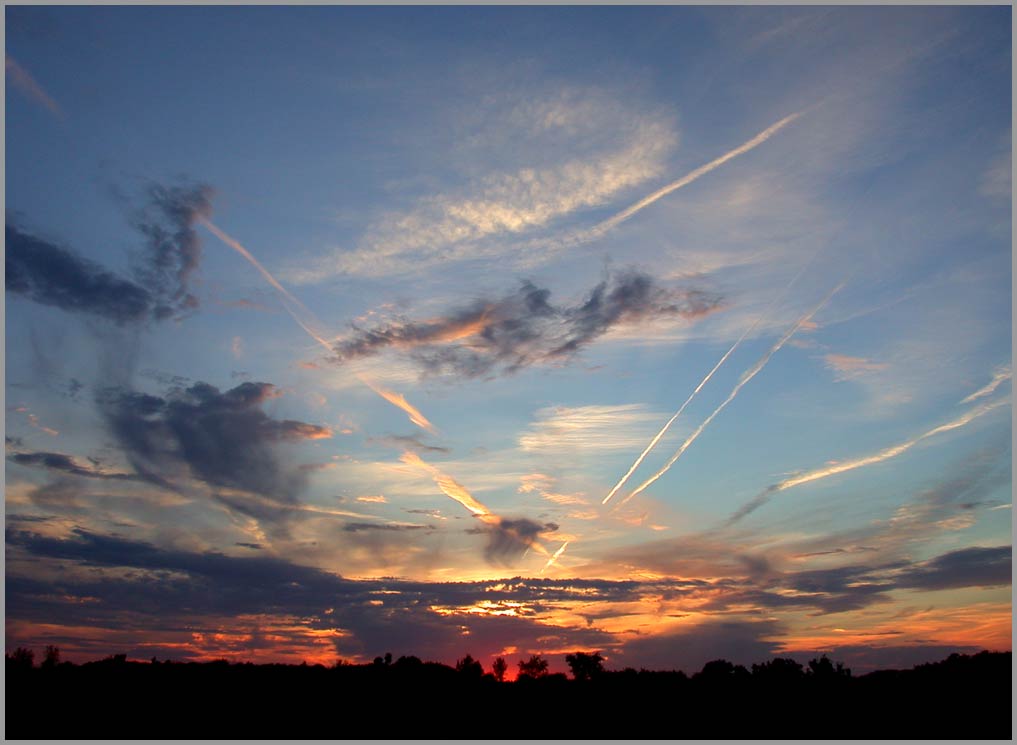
x=330 y=331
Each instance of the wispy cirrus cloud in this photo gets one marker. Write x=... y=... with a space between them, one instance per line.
x=591 y=429
x=845 y=367
x=581 y=148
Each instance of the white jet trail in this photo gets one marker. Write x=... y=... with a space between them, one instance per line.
x=746 y=377
x=554 y=557
x=998 y=376
x=850 y=465
x=598 y=230
x=308 y=322
x=666 y=427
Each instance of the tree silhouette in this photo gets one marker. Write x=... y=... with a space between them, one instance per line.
x=498 y=668
x=585 y=666
x=51 y=658
x=535 y=667
x=778 y=670
x=21 y=658
x=469 y=667
x=721 y=670
x=824 y=669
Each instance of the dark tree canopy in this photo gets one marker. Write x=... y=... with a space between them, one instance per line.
x=535 y=667
x=585 y=666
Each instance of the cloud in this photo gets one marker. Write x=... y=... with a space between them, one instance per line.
x=740 y=642
x=615 y=220
x=173 y=249
x=588 y=428
x=223 y=439
x=52 y=275
x=524 y=328
x=846 y=368
x=509 y=539
x=611 y=146
x=409 y=442
x=967 y=567
x=65 y=464
x=359 y=527
x=544 y=485
x=24 y=82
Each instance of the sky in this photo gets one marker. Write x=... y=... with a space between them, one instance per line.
x=337 y=331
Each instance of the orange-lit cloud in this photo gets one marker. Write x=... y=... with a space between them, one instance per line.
x=846 y=368
x=448 y=485
x=517 y=531
x=397 y=399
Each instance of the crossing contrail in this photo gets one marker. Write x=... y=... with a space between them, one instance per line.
x=745 y=378
x=309 y=323
x=554 y=557
x=452 y=488
x=850 y=465
x=721 y=361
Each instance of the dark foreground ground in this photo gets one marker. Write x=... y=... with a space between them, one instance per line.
x=965 y=697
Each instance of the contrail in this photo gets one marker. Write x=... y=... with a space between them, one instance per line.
x=448 y=485
x=461 y=494
x=705 y=380
x=23 y=79
x=998 y=376
x=598 y=230
x=308 y=322
x=890 y=452
x=746 y=377
x=554 y=557
x=397 y=399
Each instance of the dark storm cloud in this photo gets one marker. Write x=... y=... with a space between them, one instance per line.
x=53 y=275
x=65 y=464
x=968 y=567
x=223 y=439
x=525 y=328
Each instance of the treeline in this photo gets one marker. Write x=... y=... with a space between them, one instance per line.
x=960 y=697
